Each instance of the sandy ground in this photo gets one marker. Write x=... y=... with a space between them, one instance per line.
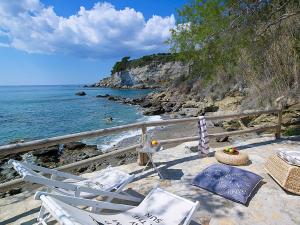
x=270 y=205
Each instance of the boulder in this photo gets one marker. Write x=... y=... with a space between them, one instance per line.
x=231 y=125
x=222 y=139
x=211 y=108
x=190 y=112
x=190 y=104
x=167 y=108
x=50 y=151
x=80 y=93
x=191 y=148
x=138 y=100
x=82 y=156
x=146 y=104
x=14 y=191
x=177 y=107
x=74 y=146
x=157 y=110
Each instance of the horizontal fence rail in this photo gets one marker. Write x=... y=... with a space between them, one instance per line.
x=43 y=143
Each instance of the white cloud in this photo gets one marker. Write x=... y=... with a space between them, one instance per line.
x=100 y=32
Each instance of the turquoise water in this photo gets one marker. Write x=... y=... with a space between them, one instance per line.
x=35 y=112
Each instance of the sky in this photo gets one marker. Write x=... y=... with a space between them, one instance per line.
x=45 y=42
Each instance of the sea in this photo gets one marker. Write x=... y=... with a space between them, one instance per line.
x=36 y=112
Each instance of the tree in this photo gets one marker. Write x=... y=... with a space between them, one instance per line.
x=251 y=40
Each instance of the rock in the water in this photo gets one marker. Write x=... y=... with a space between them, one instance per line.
x=102 y=96
x=113 y=98
x=17 y=141
x=222 y=139
x=81 y=93
x=74 y=146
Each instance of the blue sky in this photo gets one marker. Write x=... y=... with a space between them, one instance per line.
x=78 y=41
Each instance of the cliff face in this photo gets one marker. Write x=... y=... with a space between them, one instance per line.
x=152 y=75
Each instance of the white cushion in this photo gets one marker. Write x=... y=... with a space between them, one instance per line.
x=291 y=157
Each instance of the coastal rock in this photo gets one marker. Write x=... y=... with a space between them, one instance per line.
x=190 y=104
x=211 y=108
x=50 y=151
x=191 y=148
x=167 y=108
x=230 y=103
x=14 y=191
x=157 y=110
x=146 y=104
x=222 y=139
x=153 y=75
x=80 y=93
x=102 y=96
x=74 y=146
x=177 y=107
x=17 y=141
x=190 y=112
x=113 y=98
x=231 y=125
x=78 y=152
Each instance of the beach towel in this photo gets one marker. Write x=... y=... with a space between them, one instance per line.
x=203 y=142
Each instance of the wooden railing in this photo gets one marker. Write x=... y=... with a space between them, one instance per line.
x=43 y=143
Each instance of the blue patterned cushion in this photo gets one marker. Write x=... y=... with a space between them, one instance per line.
x=227 y=181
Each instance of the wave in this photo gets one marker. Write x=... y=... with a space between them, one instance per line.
x=128 y=134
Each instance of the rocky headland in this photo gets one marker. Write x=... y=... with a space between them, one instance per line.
x=148 y=72
x=177 y=95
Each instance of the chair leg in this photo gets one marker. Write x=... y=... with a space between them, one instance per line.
x=41 y=212
x=191 y=214
x=109 y=199
x=155 y=167
x=42 y=219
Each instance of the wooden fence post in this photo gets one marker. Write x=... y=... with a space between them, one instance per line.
x=278 y=129
x=143 y=157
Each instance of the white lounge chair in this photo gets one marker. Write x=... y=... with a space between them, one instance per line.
x=106 y=181
x=159 y=207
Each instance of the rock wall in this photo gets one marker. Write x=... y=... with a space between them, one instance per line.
x=150 y=76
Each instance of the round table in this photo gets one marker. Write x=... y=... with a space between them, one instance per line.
x=235 y=160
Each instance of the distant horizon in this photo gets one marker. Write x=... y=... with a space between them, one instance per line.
x=28 y=85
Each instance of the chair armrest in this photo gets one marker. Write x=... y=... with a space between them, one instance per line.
x=108 y=194
x=77 y=189
x=84 y=202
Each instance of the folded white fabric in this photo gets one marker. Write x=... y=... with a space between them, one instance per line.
x=203 y=146
x=291 y=157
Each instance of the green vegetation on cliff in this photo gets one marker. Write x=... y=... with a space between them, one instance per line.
x=125 y=63
x=255 y=44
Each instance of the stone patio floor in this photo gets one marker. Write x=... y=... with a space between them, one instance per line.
x=270 y=205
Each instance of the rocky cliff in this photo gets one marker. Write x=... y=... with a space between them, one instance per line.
x=152 y=75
